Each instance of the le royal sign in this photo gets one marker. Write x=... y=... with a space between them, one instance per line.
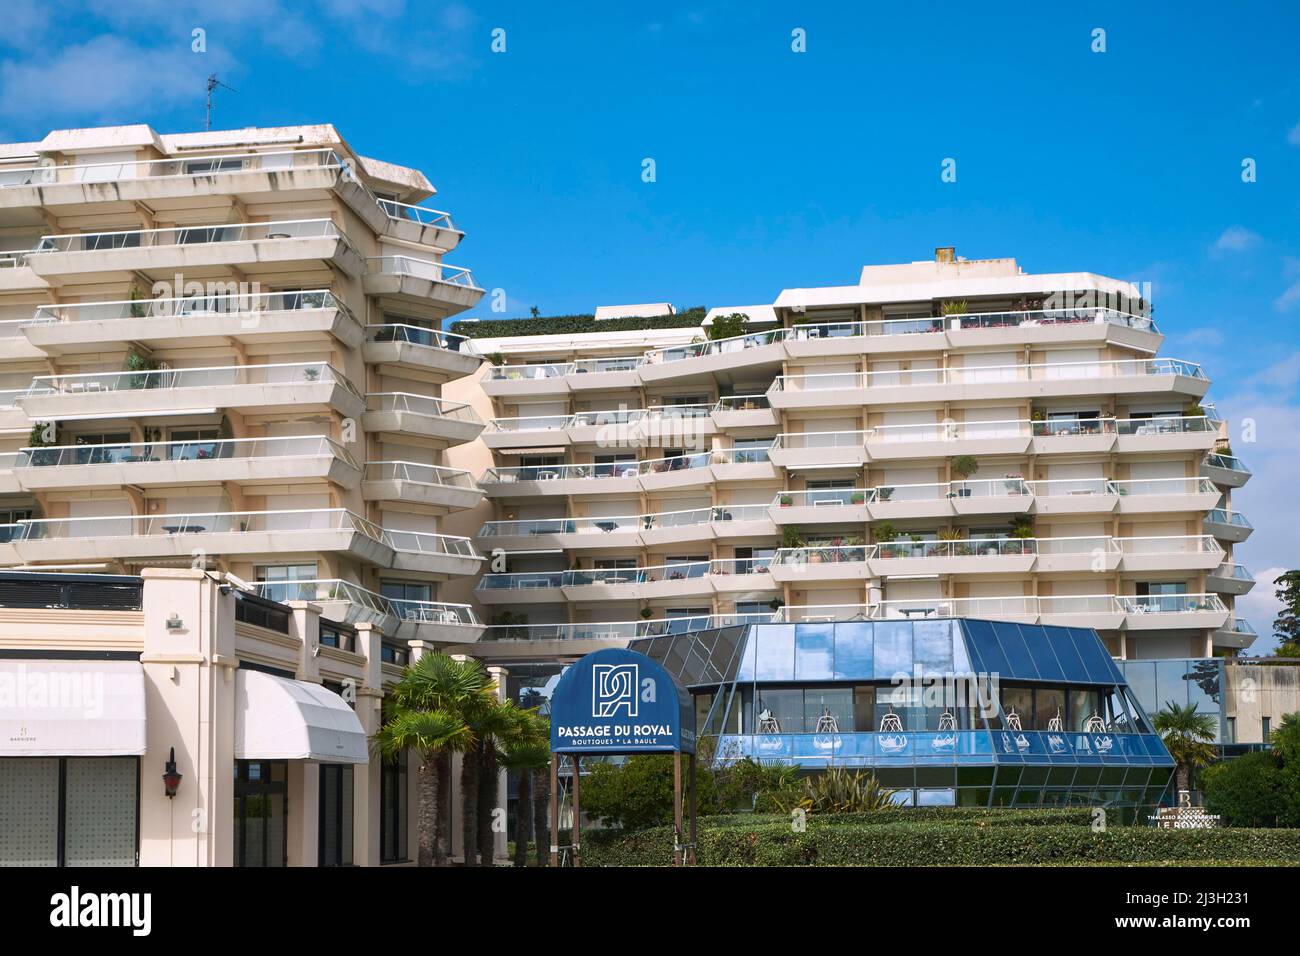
x=620 y=702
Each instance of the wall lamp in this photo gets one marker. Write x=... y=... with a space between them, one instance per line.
x=171 y=776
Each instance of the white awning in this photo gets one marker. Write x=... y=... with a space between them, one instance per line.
x=281 y=719
x=81 y=708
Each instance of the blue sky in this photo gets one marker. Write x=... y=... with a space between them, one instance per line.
x=776 y=168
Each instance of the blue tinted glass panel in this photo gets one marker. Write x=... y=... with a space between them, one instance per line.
x=961 y=659
x=1040 y=649
x=775 y=657
x=1171 y=683
x=813 y=647
x=1067 y=654
x=932 y=646
x=893 y=649
x=1141 y=678
x=853 y=644
x=1022 y=665
x=1204 y=685
x=1095 y=659
x=745 y=668
x=985 y=643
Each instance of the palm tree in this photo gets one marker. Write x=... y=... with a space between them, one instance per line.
x=502 y=727
x=429 y=711
x=526 y=757
x=431 y=733
x=1187 y=735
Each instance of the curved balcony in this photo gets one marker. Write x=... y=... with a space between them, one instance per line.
x=192 y=321
x=1228 y=525
x=235 y=460
x=1229 y=578
x=1225 y=470
x=444 y=288
x=350 y=603
x=255 y=248
x=416 y=352
x=435 y=489
x=1237 y=633
x=187 y=536
x=420 y=419
x=302 y=386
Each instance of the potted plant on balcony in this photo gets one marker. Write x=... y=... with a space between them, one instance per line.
x=776 y=604
x=791 y=538
x=858 y=498
x=885 y=533
x=144 y=364
x=884 y=493
x=1022 y=526
x=963 y=466
x=646 y=613
x=785 y=501
x=311 y=373
x=137 y=309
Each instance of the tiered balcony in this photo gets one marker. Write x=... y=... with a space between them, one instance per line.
x=822 y=506
x=439 y=490
x=403 y=619
x=420 y=419
x=192 y=322
x=512 y=381
x=848 y=449
x=965 y=556
x=254 y=248
x=629 y=531
x=618 y=633
x=1228 y=525
x=1175 y=433
x=301 y=386
x=447 y=289
x=416 y=352
x=441 y=555
x=822 y=563
x=1230 y=578
x=743 y=464
x=1074 y=496
x=235 y=460
x=420 y=225
x=1196 y=611
x=957 y=384
x=725 y=357
x=732 y=412
x=1225 y=470
x=942 y=439
x=1073 y=436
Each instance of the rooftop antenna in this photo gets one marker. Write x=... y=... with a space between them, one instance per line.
x=213 y=83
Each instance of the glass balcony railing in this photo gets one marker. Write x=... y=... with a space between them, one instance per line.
x=1093 y=545
x=249 y=306
x=419 y=473
x=797 y=440
x=421 y=269
x=824 y=498
x=520 y=581
x=1164 y=486
x=983 y=374
x=1170 y=603
x=418 y=214
x=226 y=449
x=9 y=396
x=505 y=476
x=741 y=403
x=172 y=168
x=1239 y=625
x=625 y=363
x=428 y=543
x=660 y=466
x=222 y=522
x=176 y=379
x=619 y=416
x=191 y=235
x=1063 y=487
x=677 y=519
x=1072 y=427
x=1233 y=572
x=534 y=423
x=1049 y=317
x=1171 y=425
x=420 y=335
x=619 y=630
x=1226 y=462
x=740 y=456
x=1170 y=544
x=740 y=566
x=1234 y=518
x=824 y=554
x=534 y=528
x=949 y=431
x=965 y=547
x=334 y=589
x=423 y=405
x=735 y=344
x=520 y=373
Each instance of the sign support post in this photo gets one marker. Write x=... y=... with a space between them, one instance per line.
x=555 y=809
x=577 y=812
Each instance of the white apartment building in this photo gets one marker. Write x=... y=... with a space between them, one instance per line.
x=943 y=438
x=221 y=370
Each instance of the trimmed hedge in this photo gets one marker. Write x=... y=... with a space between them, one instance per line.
x=576 y=324
x=1049 y=837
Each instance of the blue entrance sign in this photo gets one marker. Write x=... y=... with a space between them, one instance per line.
x=620 y=702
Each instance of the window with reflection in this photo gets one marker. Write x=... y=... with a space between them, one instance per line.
x=778 y=710
x=1049 y=709
x=828 y=710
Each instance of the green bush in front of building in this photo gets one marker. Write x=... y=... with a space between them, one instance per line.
x=944 y=838
x=1259 y=789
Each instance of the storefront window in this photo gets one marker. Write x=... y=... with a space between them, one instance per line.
x=261 y=787
x=90 y=802
x=335 y=814
x=393 y=809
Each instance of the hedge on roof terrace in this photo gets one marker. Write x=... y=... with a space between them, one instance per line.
x=576 y=324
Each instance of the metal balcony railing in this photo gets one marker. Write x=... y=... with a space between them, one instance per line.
x=984 y=374
x=418 y=214
x=1170 y=425
x=1234 y=518
x=177 y=167
x=742 y=403
x=428 y=543
x=334 y=589
x=824 y=498
x=740 y=456
x=1227 y=462
x=824 y=554
x=251 y=306
x=176 y=379
x=1164 y=486
x=737 y=343
x=1071 y=427
x=297 y=446
x=423 y=405
x=220 y=522
x=620 y=630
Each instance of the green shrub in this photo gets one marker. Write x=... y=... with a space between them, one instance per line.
x=576 y=324
x=903 y=840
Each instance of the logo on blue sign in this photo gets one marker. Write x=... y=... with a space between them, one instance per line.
x=613 y=688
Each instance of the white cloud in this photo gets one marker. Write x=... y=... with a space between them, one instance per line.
x=1289 y=298
x=104 y=80
x=1235 y=239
